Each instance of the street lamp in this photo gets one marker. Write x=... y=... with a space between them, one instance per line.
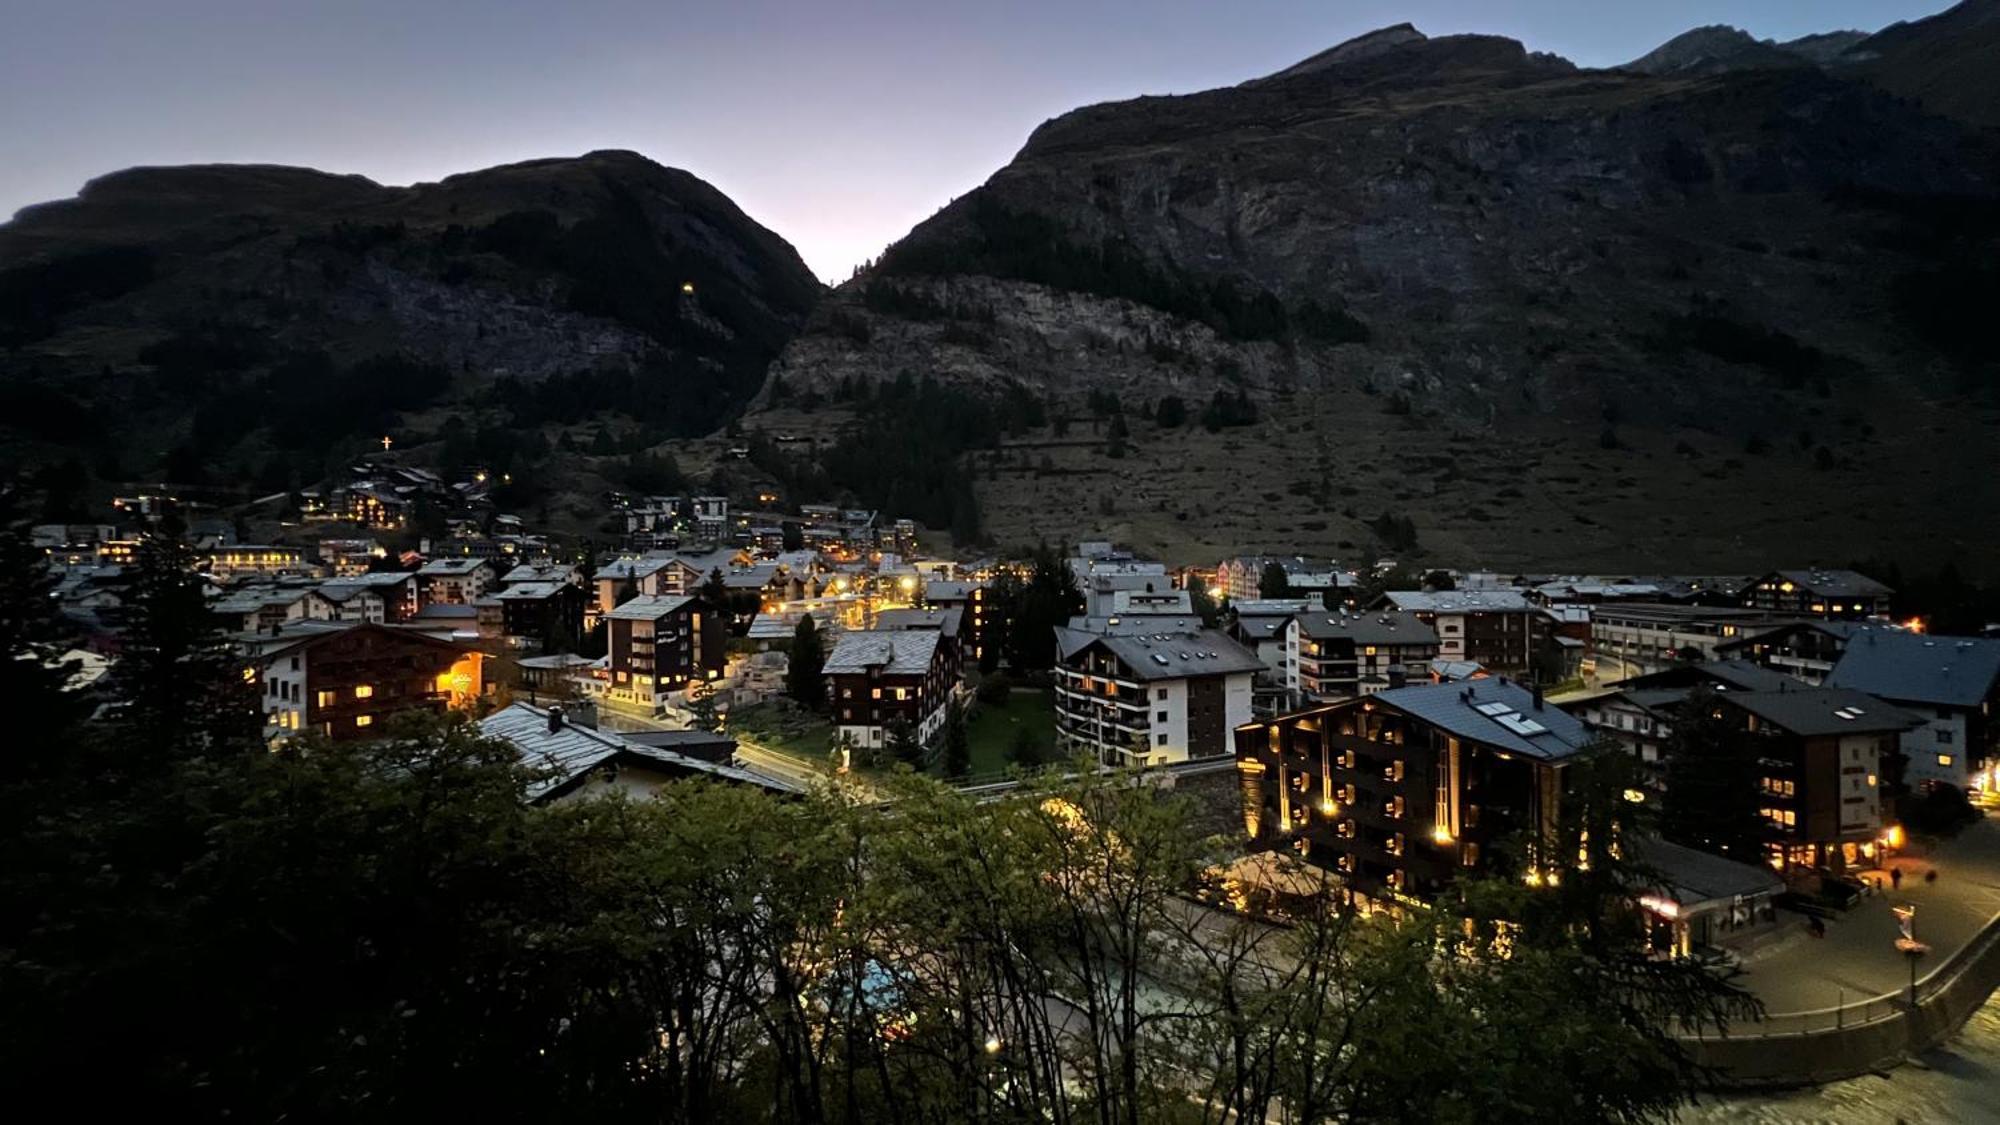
x=1908 y=945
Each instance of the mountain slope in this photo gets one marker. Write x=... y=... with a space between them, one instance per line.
x=1423 y=245
x=216 y=316
x=1945 y=62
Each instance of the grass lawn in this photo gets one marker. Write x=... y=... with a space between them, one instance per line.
x=991 y=733
x=786 y=728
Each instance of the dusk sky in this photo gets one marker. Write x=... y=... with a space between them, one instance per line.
x=838 y=125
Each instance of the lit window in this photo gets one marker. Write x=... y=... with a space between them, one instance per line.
x=1871 y=781
x=325 y=698
x=875 y=693
x=364 y=691
x=364 y=720
x=1944 y=759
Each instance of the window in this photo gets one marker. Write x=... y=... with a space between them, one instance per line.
x=875 y=693
x=1944 y=759
x=325 y=698
x=1944 y=736
x=364 y=720
x=295 y=663
x=1159 y=740
x=1161 y=695
x=1159 y=716
x=847 y=693
x=902 y=693
x=364 y=691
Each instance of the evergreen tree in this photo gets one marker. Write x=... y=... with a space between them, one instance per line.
x=714 y=592
x=957 y=747
x=701 y=707
x=1712 y=783
x=803 y=679
x=902 y=743
x=1204 y=606
x=1274 y=582
x=178 y=683
x=1047 y=599
x=1028 y=752
x=33 y=639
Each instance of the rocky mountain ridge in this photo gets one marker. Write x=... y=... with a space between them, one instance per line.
x=191 y=306
x=1484 y=239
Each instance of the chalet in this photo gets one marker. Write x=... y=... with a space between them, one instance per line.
x=1842 y=594
x=1639 y=713
x=345 y=683
x=1500 y=630
x=1823 y=752
x=1150 y=691
x=877 y=678
x=459 y=581
x=398 y=595
x=1399 y=791
x=1806 y=650
x=658 y=646
x=1951 y=683
x=573 y=761
x=1343 y=655
x=540 y=615
x=949 y=624
x=258 y=560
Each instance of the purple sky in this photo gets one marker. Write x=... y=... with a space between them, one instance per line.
x=839 y=125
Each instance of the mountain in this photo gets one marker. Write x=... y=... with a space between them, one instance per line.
x=1718 y=48
x=1452 y=297
x=255 y=323
x=1945 y=62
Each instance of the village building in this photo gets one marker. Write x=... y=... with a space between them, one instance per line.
x=1842 y=594
x=877 y=679
x=1399 y=791
x=346 y=683
x=1148 y=691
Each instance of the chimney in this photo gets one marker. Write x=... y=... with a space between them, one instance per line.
x=1538 y=697
x=555 y=719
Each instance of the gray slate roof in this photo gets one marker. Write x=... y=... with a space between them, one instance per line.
x=1392 y=628
x=1164 y=654
x=1834 y=583
x=572 y=751
x=648 y=607
x=1695 y=878
x=450 y=568
x=946 y=621
x=893 y=653
x=1913 y=668
x=1459 y=601
x=1514 y=723
x=1811 y=711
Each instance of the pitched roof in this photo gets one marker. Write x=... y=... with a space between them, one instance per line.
x=1833 y=583
x=1696 y=877
x=648 y=607
x=1811 y=711
x=450 y=568
x=1393 y=628
x=532 y=591
x=1495 y=711
x=1914 y=668
x=571 y=751
x=1459 y=601
x=946 y=621
x=1161 y=653
x=1731 y=675
x=893 y=653
x=940 y=590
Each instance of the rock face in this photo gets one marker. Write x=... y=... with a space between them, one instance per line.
x=1718 y=48
x=1480 y=234
x=158 y=292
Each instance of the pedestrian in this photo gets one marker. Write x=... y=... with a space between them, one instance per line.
x=1896 y=877
x=1818 y=927
x=1931 y=875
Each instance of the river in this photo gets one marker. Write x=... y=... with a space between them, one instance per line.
x=1957 y=1082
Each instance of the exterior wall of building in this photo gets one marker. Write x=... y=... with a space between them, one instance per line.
x=1626 y=645
x=1941 y=750
x=284 y=694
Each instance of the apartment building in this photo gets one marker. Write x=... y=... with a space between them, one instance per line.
x=1345 y=655
x=1952 y=684
x=1500 y=630
x=1397 y=792
x=657 y=645
x=346 y=683
x=1149 y=691
x=877 y=678
x=1842 y=594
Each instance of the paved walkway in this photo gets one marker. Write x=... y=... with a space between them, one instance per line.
x=1857 y=958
